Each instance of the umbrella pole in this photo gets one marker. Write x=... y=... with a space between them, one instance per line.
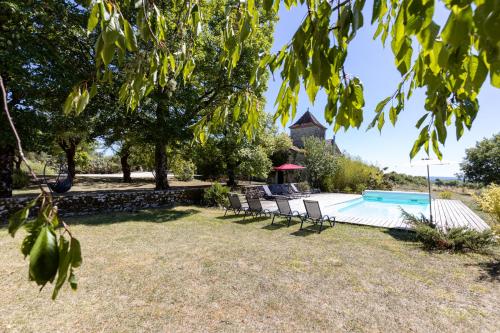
x=429 y=185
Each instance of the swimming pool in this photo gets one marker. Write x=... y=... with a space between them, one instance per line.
x=386 y=204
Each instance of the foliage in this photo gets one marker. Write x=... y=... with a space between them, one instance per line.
x=489 y=201
x=395 y=178
x=216 y=195
x=451 y=239
x=303 y=186
x=255 y=164
x=320 y=162
x=482 y=162
x=445 y=195
x=50 y=256
x=451 y=63
x=282 y=145
x=183 y=169
x=354 y=175
x=20 y=179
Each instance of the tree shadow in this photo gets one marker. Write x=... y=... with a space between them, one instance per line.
x=150 y=215
x=252 y=219
x=279 y=224
x=402 y=235
x=490 y=270
x=310 y=230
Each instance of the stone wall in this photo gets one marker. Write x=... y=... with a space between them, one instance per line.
x=86 y=203
x=298 y=134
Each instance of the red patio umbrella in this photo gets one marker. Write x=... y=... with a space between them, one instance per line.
x=287 y=167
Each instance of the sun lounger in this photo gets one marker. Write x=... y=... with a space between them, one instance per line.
x=313 y=214
x=255 y=208
x=285 y=211
x=235 y=204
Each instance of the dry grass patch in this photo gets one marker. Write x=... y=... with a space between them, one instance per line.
x=189 y=269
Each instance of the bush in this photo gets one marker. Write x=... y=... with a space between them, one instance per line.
x=216 y=195
x=20 y=179
x=303 y=187
x=489 y=201
x=354 y=175
x=451 y=239
x=183 y=170
x=445 y=195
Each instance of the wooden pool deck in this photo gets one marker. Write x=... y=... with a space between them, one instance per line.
x=446 y=213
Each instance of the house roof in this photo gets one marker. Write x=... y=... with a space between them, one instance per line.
x=307 y=119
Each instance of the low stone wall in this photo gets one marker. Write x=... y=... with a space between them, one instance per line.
x=85 y=203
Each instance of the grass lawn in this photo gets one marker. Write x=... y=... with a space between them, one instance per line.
x=189 y=269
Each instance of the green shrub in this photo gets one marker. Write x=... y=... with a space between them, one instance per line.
x=451 y=239
x=354 y=175
x=216 y=195
x=183 y=170
x=303 y=186
x=20 y=179
x=445 y=195
x=489 y=201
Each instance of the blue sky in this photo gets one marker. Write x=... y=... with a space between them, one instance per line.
x=374 y=65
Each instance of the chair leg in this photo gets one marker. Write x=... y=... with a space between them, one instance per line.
x=274 y=216
x=301 y=223
x=289 y=220
x=225 y=212
x=320 y=226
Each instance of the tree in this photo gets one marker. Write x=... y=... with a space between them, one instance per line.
x=320 y=161
x=482 y=162
x=451 y=64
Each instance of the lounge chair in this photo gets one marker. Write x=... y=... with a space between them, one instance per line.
x=269 y=195
x=235 y=204
x=295 y=190
x=288 y=191
x=313 y=214
x=255 y=208
x=285 y=211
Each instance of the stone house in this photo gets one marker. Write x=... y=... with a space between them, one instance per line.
x=307 y=126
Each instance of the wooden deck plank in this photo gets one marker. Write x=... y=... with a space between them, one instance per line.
x=470 y=215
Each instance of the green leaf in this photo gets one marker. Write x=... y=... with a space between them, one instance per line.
x=427 y=36
x=435 y=146
x=107 y=53
x=268 y=4
x=421 y=120
x=72 y=279
x=75 y=252
x=381 y=105
x=93 y=18
x=130 y=40
x=377 y=8
x=457 y=28
x=393 y=115
x=311 y=88
x=17 y=219
x=68 y=104
x=495 y=74
x=381 y=121
x=64 y=261
x=82 y=101
x=423 y=137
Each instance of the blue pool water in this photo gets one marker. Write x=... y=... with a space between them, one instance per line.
x=386 y=204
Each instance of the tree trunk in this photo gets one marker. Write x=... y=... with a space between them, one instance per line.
x=125 y=167
x=6 y=166
x=231 y=177
x=69 y=147
x=161 y=166
x=17 y=162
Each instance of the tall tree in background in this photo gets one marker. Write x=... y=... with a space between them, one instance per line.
x=482 y=162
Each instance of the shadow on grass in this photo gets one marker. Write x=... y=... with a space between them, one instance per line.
x=402 y=235
x=310 y=230
x=490 y=270
x=254 y=219
x=151 y=216
x=278 y=224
